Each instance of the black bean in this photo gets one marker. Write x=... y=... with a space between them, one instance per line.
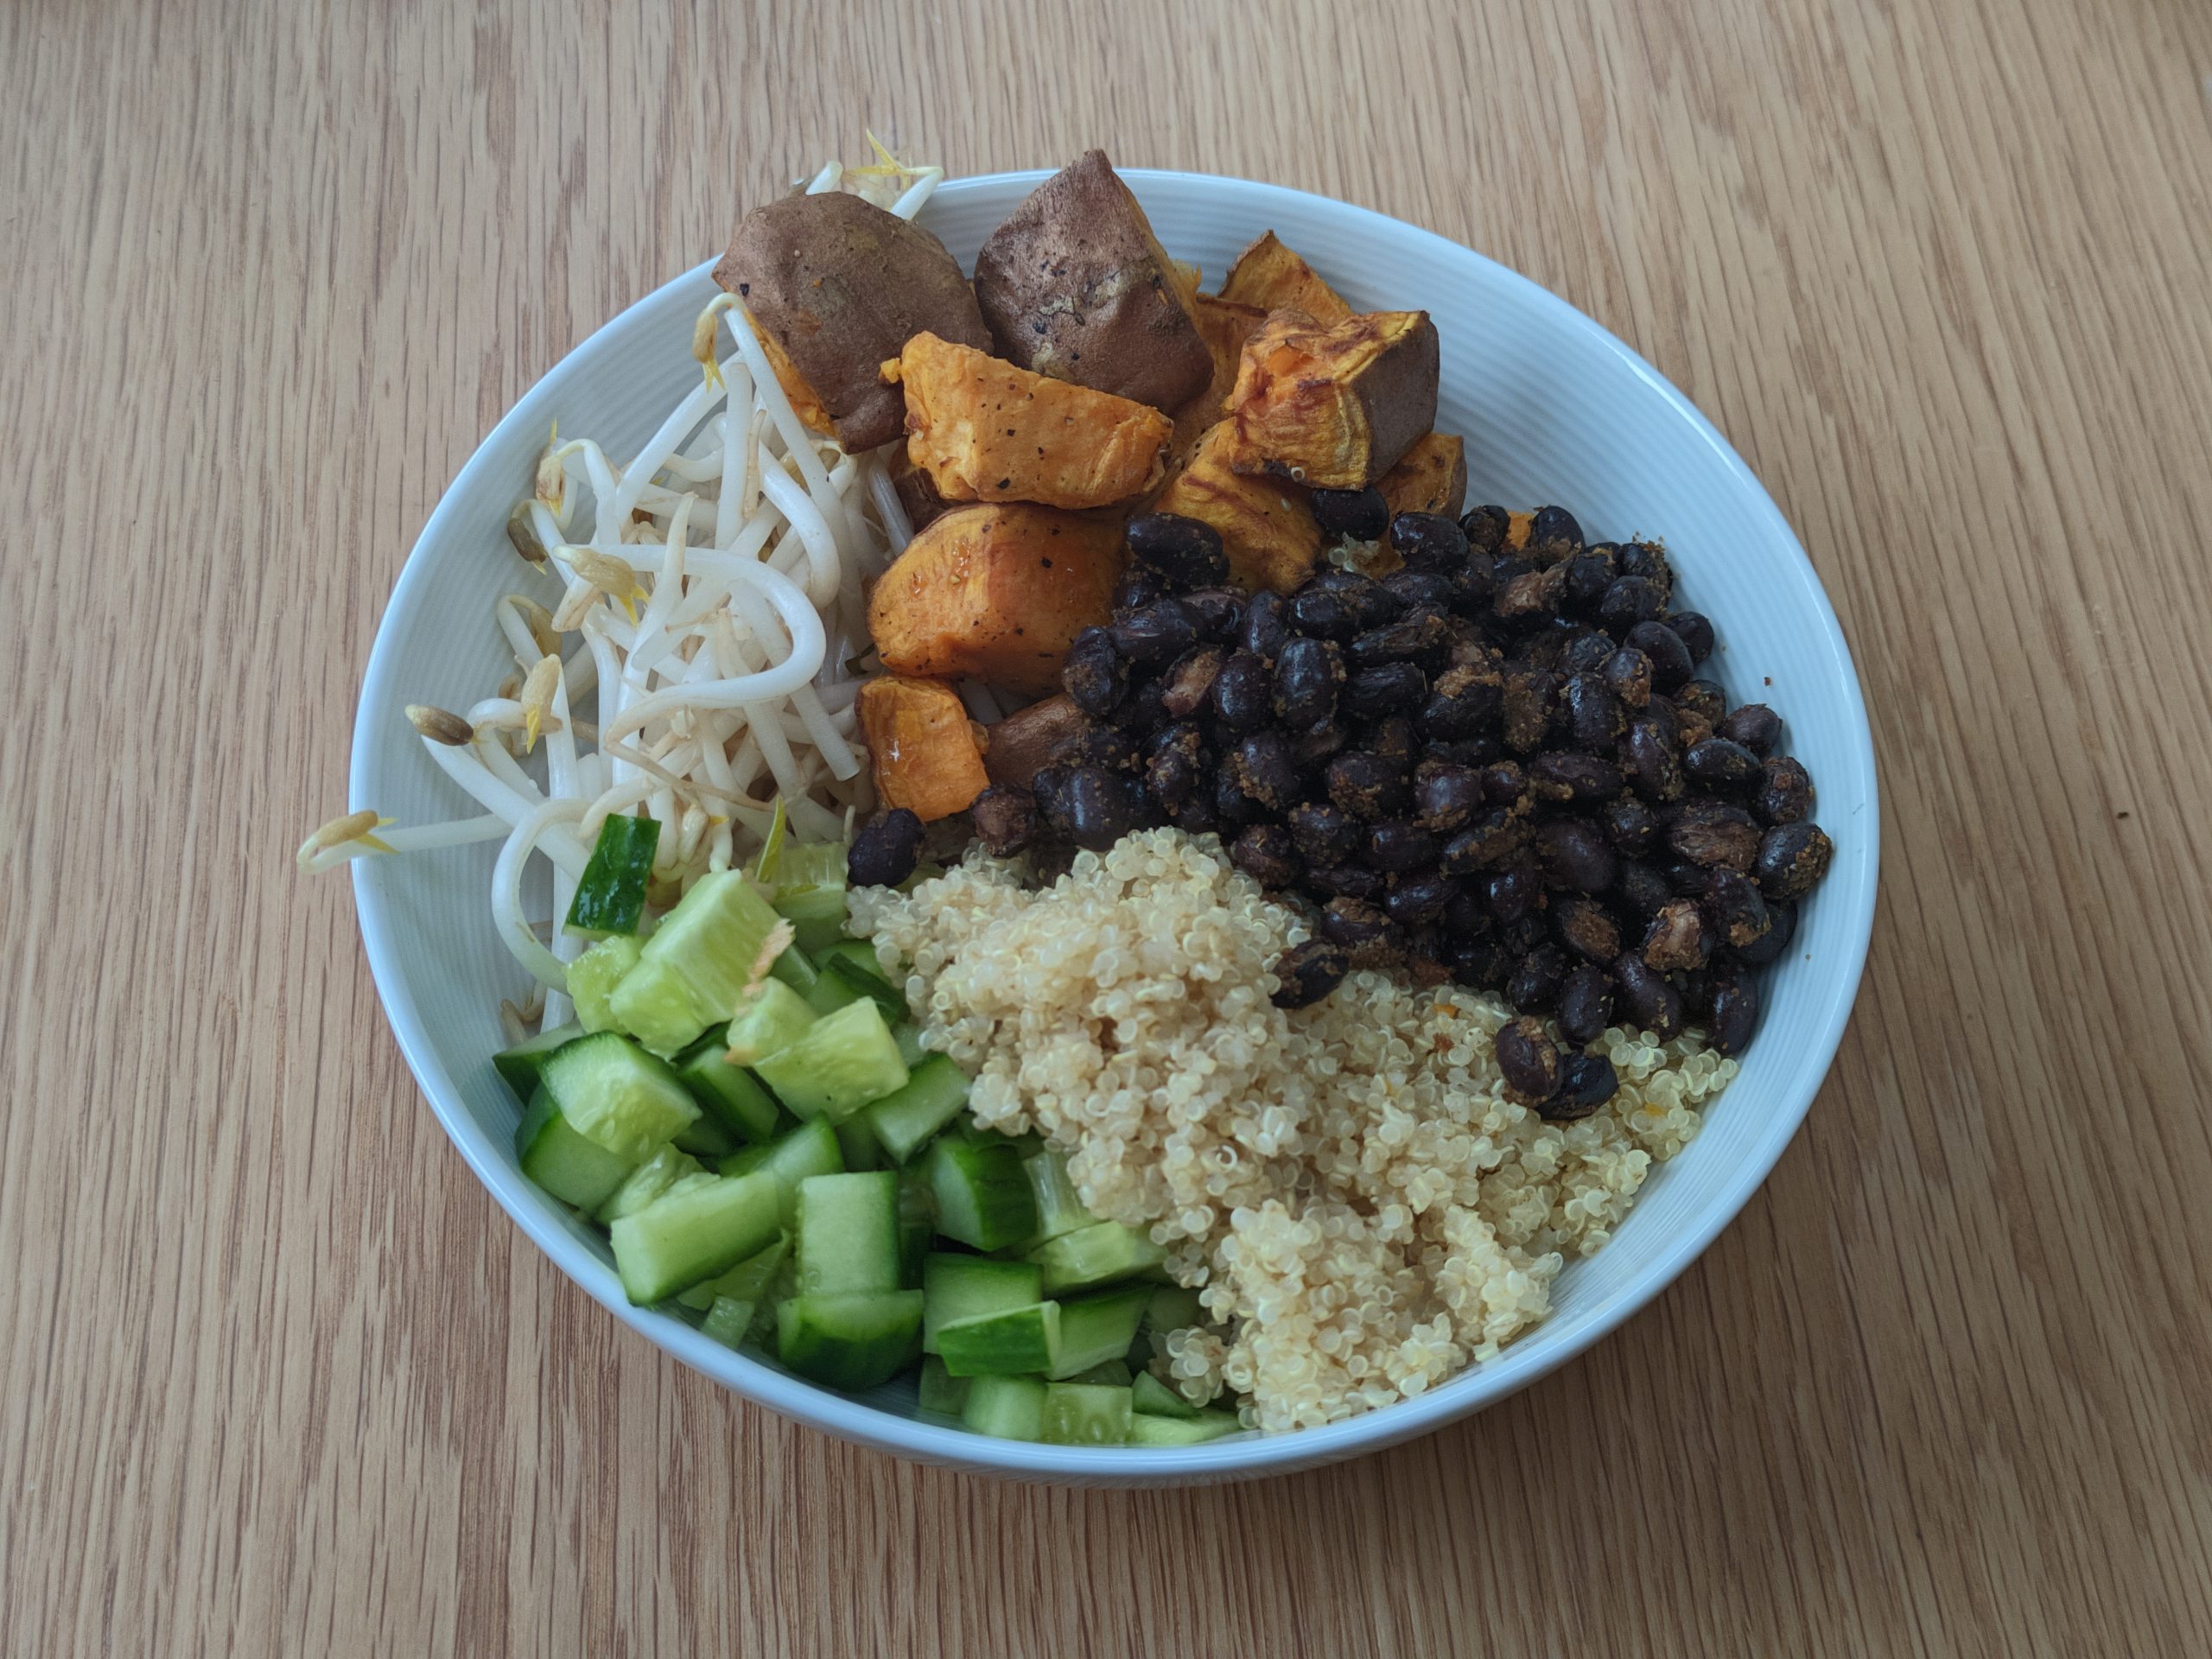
x=1371 y=603
x=1393 y=687
x=1366 y=786
x=1392 y=737
x=1461 y=702
x=1308 y=972
x=1313 y=746
x=1670 y=658
x=1734 y=909
x=1324 y=834
x=1652 y=765
x=1444 y=795
x=1142 y=709
x=1243 y=693
x=1721 y=765
x=1099 y=809
x=1593 y=714
x=1785 y=792
x=1521 y=937
x=1528 y=1060
x=1504 y=784
x=1217 y=613
x=1628 y=677
x=1530 y=598
x=1428 y=541
x=1588 y=574
x=1585 y=1083
x=1696 y=985
x=1575 y=856
x=1585 y=652
x=1505 y=567
x=1497 y=835
x=1094 y=673
x=1685 y=877
x=1474 y=585
x=1137 y=590
x=1704 y=699
x=1189 y=681
x=1363 y=515
x=1639 y=888
x=1347 y=880
x=1264 y=852
x=1100 y=745
x=1511 y=894
x=1533 y=986
x=1792 y=858
x=1466 y=911
x=1661 y=713
x=1577 y=779
x=1172 y=760
x=1754 y=725
x=1422 y=590
x=1359 y=927
x=1006 y=821
x=1629 y=601
x=1266 y=768
x=1421 y=638
x=1419 y=899
x=1631 y=825
x=1183 y=552
x=1266 y=624
x=1398 y=845
x=1308 y=673
x=1485 y=527
x=1586 y=1004
x=1157 y=634
x=1646 y=998
x=1770 y=945
x=1231 y=804
x=1735 y=1018
x=1582 y=927
x=1320 y=614
x=1527 y=701
x=1717 y=836
x=1553 y=534
x=1647 y=561
x=1696 y=632
x=1677 y=940
x=887 y=849
x=1196 y=815
x=1466 y=751
x=1049 y=786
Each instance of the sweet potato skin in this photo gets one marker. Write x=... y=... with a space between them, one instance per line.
x=996 y=593
x=1334 y=407
x=1226 y=326
x=925 y=753
x=1074 y=285
x=1271 y=277
x=987 y=430
x=840 y=285
x=1266 y=528
x=1431 y=477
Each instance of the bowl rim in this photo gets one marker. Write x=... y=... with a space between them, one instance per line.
x=852 y=1419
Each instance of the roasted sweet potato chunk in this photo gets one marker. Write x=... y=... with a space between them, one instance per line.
x=997 y=593
x=1270 y=277
x=1431 y=477
x=926 y=753
x=985 y=430
x=1074 y=285
x=835 y=285
x=1267 y=529
x=1334 y=407
x=1225 y=326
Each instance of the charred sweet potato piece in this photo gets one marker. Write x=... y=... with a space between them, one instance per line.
x=1270 y=277
x=917 y=490
x=1267 y=529
x=1074 y=285
x=1334 y=407
x=1431 y=477
x=985 y=431
x=1226 y=326
x=1029 y=740
x=834 y=285
x=995 y=593
x=926 y=753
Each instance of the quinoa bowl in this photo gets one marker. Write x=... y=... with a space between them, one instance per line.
x=1552 y=407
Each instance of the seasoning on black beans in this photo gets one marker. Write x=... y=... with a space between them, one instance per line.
x=1735 y=909
x=1639 y=888
x=1429 y=541
x=1629 y=601
x=1631 y=825
x=1311 y=747
x=1366 y=785
x=1785 y=791
x=1791 y=860
x=1647 y=561
x=1497 y=835
x=1419 y=637
x=1361 y=928
x=887 y=849
x=1527 y=700
x=1587 y=577
x=1528 y=1060
x=1770 y=945
x=1183 y=552
x=1716 y=834
x=1392 y=739
x=1264 y=853
x=1704 y=699
x=1094 y=673
x=1444 y=795
x=1266 y=768
x=1531 y=597
x=1583 y=927
x=1346 y=881
x=1172 y=764
x=1308 y=972
x=1363 y=515
x=1580 y=779
x=1461 y=702
x=1100 y=745
x=1533 y=986
x=1393 y=687
x=1677 y=940
x=1324 y=834
x=1186 y=686
x=1486 y=526
x=1628 y=677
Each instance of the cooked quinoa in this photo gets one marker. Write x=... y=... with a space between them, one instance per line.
x=1365 y=1211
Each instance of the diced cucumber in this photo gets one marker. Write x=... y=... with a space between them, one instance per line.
x=614 y=1093
x=849 y=1342
x=909 y=1038
x=728 y=1320
x=730 y=1093
x=1086 y=1414
x=705 y=1137
x=982 y=1197
x=1006 y=1407
x=1173 y=1308
x=916 y=1225
x=593 y=976
x=1095 y=1329
x=1059 y=1210
x=840 y=1065
x=794 y=970
x=573 y=1169
x=1017 y=1342
x=1194 y=1430
x=962 y=1286
x=647 y=1182
x=774 y=1016
x=694 y=1233
x=1112 y=1373
x=699 y=958
x=817 y=914
x=810 y=1149
x=521 y=1064
x=904 y=1121
x=857 y=1142
x=939 y=1390
x=830 y=992
x=848 y=1234
x=1154 y=1398
x=751 y=1280
x=802 y=864
x=611 y=893
x=1096 y=1254
x=854 y=962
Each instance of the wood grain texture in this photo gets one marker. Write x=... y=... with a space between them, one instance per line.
x=276 y=1375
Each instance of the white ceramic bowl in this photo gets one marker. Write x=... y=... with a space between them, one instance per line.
x=1553 y=408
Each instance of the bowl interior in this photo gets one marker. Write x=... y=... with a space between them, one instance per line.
x=1553 y=409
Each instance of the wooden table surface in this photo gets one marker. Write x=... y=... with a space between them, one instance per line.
x=277 y=1375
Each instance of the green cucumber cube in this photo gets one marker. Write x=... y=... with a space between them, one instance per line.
x=1096 y=1254
x=706 y=1137
x=1086 y=1414
x=961 y=1287
x=611 y=893
x=691 y=1233
x=614 y=1093
x=750 y=1280
x=593 y=976
x=700 y=957
x=774 y=1016
x=647 y=1182
x=831 y=992
x=1173 y=1308
x=731 y=1093
x=841 y=1064
x=817 y=914
x=573 y=1169
x=1059 y=1210
x=857 y=1142
x=728 y=1320
x=794 y=970
x=1112 y=1373
x=849 y=1342
x=904 y=1121
x=1006 y=1407
x=1153 y=1398
x=1094 y=1330
x=982 y=1197
x=521 y=1064
x=810 y=1149
x=938 y=1391
x=1194 y=1430
x=909 y=1038
x=1017 y=1342
x=848 y=1234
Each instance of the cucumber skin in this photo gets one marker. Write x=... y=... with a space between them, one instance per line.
x=1016 y=1342
x=938 y=1391
x=1098 y=1255
x=618 y=1095
x=849 y=1342
x=575 y=1171
x=521 y=1065
x=1095 y=1329
x=848 y=1234
x=843 y=1062
x=961 y=1287
x=680 y=1239
x=1195 y=1430
x=1153 y=1398
x=1006 y=1407
x=611 y=893
x=982 y=1196
x=903 y=1120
